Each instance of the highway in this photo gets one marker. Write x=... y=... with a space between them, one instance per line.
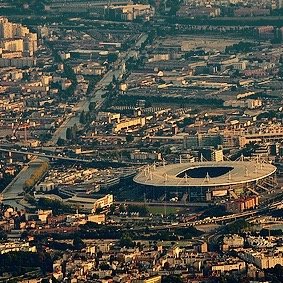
x=101 y=163
x=50 y=156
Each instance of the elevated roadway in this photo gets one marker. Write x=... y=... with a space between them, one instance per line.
x=50 y=156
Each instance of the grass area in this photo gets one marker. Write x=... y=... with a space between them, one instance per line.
x=128 y=194
x=160 y=210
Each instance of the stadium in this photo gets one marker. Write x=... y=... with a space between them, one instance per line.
x=207 y=181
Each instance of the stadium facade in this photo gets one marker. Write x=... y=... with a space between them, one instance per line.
x=210 y=181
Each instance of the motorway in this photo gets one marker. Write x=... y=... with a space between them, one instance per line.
x=98 y=162
x=46 y=155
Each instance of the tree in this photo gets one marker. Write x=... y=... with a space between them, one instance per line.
x=88 y=117
x=104 y=266
x=112 y=57
x=36 y=175
x=18 y=262
x=114 y=80
x=166 y=265
x=98 y=210
x=92 y=106
x=83 y=117
x=172 y=279
x=141 y=209
x=277 y=271
x=126 y=241
x=3 y=235
x=69 y=134
x=129 y=138
x=112 y=208
x=237 y=226
x=24 y=235
x=78 y=243
x=99 y=254
x=61 y=142
x=122 y=208
x=58 y=207
x=74 y=131
x=187 y=121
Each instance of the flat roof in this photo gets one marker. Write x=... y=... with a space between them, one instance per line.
x=174 y=175
x=81 y=199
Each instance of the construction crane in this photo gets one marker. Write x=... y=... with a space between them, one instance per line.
x=21 y=126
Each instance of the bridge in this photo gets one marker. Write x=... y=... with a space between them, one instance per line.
x=90 y=161
x=50 y=156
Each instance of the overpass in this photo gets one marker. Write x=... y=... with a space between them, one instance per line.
x=51 y=156
x=101 y=163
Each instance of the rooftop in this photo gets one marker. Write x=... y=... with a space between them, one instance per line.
x=204 y=174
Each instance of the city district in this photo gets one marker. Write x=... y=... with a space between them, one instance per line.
x=141 y=141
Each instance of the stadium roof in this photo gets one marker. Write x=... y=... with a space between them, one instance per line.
x=204 y=174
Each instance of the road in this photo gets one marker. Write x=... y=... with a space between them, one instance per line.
x=49 y=156
x=171 y=204
x=100 y=163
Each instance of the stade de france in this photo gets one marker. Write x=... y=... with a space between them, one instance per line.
x=208 y=181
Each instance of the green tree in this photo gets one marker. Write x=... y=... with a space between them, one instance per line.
x=83 y=117
x=122 y=208
x=114 y=80
x=104 y=266
x=129 y=138
x=112 y=208
x=92 y=106
x=36 y=175
x=141 y=209
x=99 y=254
x=88 y=117
x=78 y=243
x=112 y=57
x=187 y=121
x=58 y=207
x=61 y=142
x=69 y=134
x=171 y=279
x=3 y=235
x=237 y=226
x=127 y=241
x=74 y=131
